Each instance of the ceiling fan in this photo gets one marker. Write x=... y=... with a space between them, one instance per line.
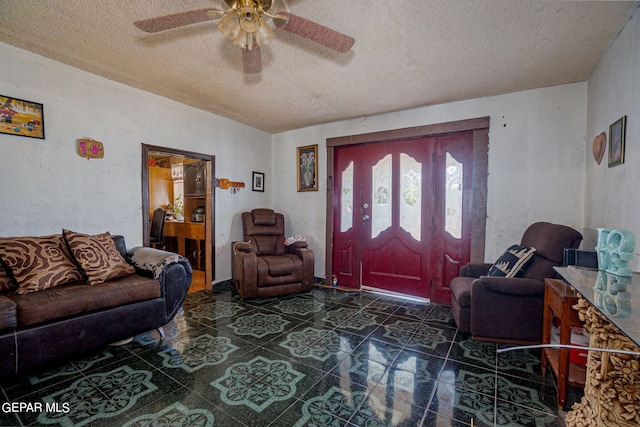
x=244 y=24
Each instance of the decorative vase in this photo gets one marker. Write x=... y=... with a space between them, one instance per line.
x=307 y=176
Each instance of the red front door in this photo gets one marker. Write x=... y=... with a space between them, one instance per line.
x=393 y=226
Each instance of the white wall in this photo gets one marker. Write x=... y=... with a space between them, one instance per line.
x=612 y=196
x=536 y=157
x=536 y=162
x=46 y=186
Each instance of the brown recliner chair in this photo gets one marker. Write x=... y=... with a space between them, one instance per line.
x=262 y=265
x=510 y=309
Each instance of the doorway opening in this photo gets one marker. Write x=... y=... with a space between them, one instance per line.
x=182 y=183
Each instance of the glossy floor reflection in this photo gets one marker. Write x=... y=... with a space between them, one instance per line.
x=327 y=358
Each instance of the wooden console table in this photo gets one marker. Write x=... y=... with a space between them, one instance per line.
x=559 y=298
x=612 y=390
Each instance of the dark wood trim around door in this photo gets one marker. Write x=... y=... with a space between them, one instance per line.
x=210 y=194
x=480 y=128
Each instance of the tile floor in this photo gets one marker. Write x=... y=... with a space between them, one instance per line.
x=326 y=358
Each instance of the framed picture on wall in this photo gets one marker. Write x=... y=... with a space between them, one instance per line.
x=616 y=141
x=258 y=181
x=21 y=118
x=307 y=167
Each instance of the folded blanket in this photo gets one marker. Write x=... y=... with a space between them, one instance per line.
x=154 y=260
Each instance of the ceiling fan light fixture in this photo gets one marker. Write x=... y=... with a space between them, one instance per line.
x=264 y=33
x=229 y=26
x=249 y=19
x=244 y=40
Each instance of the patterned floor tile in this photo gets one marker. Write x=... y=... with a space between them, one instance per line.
x=361 y=299
x=414 y=310
x=432 y=339
x=323 y=358
x=380 y=408
x=98 y=397
x=337 y=400
x=521 y=363
x=463 y=404
x=444 y=419
x=202 y=351
x=442 y=315
x=306 y=414
x=330 y=296
x=301 y=307
x=388 y=305
x=258 y=391
x=474 y=352
x=469 y=377
x=312 y=343
x=406 y=387
x=353 y=319
x=216 y=313
x=537 y=396
x=259 y=325
x=377 y=351
x=361 y=370
x=422 y=337
x=320 y=348
x=508 y=414
x=175 y=414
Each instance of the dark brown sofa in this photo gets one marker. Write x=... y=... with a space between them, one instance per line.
x=510 y=309
x=37 y=328
x=263 y=266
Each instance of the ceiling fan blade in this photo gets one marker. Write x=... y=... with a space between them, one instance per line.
x=315 y=32
x=252 y=60
x=174 y=20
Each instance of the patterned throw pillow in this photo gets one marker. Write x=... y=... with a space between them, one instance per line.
x=97 y=256
x=38 y=263
x=513 y=262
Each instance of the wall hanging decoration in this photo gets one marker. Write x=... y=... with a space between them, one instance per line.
x=616 y=141
x=20 y=117
x=615 y=251
x=90 y=148
x=307 y=162
x=599 y=146
x=226 y=184
x=258 y=181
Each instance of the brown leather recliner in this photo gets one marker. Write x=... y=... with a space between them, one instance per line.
x=262 y=265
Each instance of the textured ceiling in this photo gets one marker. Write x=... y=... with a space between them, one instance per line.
x=408 y=53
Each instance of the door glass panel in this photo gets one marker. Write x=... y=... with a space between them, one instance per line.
x=453 y=197
x=381 y=196
x=346 y=199
x=411 y=195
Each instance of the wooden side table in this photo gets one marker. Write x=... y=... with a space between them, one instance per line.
x=559 y=298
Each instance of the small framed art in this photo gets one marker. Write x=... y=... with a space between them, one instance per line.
x=258 y=182
x=307 y=167
x=21 y=118
x=616 y=141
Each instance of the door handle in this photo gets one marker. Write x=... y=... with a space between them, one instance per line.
x=365 y=217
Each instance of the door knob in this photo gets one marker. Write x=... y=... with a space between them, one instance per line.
x=365 y=206
x=365 y=217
